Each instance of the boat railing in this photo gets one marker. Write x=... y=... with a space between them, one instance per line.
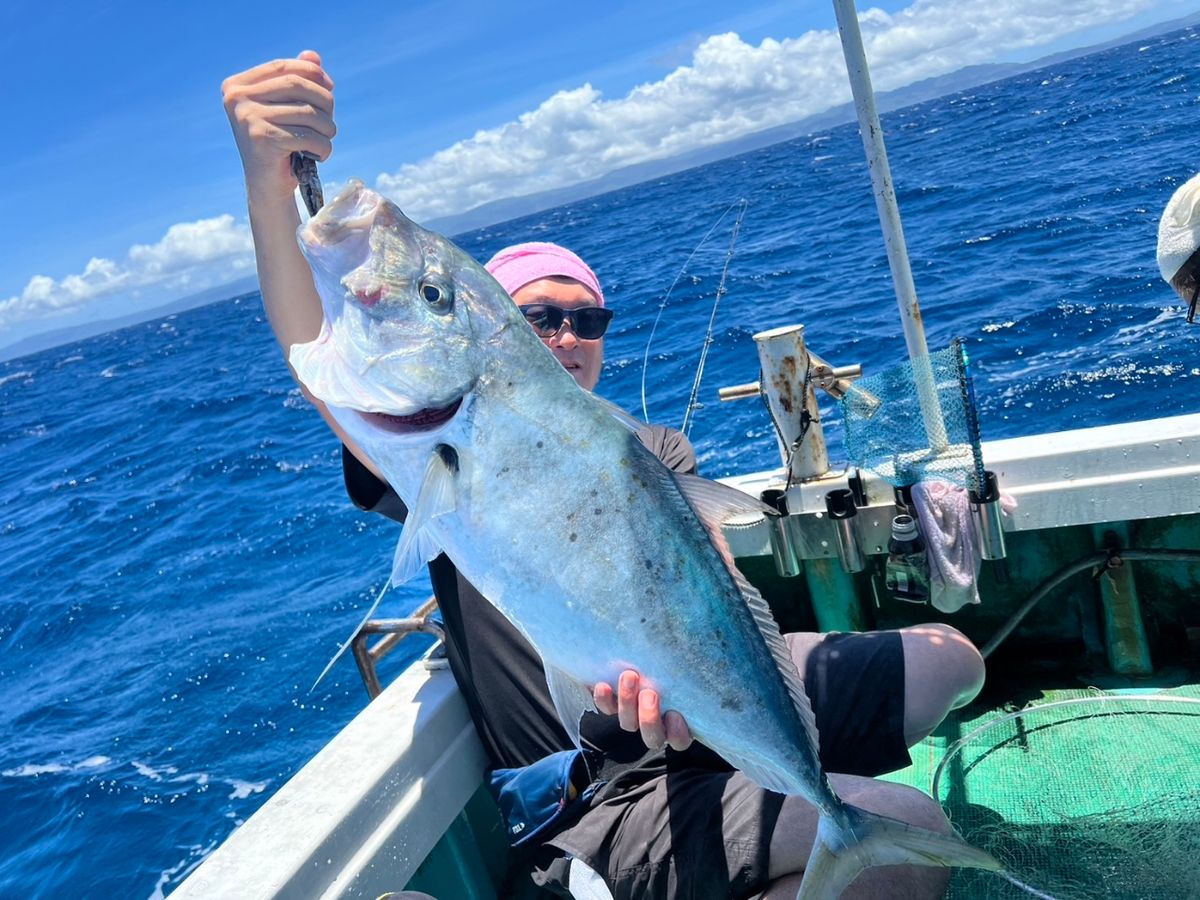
x=394 y=631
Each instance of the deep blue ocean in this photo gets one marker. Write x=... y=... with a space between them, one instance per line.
x=180 y=561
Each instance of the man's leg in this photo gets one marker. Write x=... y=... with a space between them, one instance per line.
x=942 y=671
x=796 y=830
x=939 y=667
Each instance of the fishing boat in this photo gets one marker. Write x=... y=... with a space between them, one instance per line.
x=1088 y=575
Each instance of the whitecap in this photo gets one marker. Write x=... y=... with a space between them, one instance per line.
x=196 y=854
x=152 y=773
x=243 y=789
x=5 y=379
x=33 y=769
x=109 y=372
x=30 y=769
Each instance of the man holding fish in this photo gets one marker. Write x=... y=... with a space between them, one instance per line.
x=405 y=317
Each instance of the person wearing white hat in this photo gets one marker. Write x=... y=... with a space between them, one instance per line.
x=1179 y=243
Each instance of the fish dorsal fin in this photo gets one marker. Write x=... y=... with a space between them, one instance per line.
x=571 y=700
x=619 y=414
x=715 y=503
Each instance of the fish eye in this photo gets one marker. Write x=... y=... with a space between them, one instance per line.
x=439 y=297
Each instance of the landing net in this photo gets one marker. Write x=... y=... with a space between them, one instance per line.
x=1097 y=797
x=884 y=422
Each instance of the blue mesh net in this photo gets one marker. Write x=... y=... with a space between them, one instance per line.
x=916 y=421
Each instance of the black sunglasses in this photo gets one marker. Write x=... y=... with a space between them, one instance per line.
x=588 y=322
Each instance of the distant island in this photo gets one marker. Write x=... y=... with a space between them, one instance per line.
x=886 y=101
x=44 y=340
x=515 y=207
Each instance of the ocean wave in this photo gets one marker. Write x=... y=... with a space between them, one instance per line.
x=33 y=770
x=15 y=376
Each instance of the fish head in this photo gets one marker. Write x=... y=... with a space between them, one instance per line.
x=406 y=314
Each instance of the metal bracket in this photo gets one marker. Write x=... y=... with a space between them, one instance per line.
x=394 y=631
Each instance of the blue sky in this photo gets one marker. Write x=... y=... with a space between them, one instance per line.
x=124 y=187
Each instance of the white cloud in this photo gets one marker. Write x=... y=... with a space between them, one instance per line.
x=190 y=257
x=730 y=89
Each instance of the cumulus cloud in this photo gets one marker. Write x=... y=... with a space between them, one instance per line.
x=190 y=257
x=729 y=89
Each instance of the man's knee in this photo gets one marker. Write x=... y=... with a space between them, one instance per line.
x=943 y=670
x=896 y=801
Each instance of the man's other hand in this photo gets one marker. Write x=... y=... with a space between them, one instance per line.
x=637 y=709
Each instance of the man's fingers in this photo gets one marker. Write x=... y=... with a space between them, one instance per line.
x=287 y=89
x=277 y=68
x=627 y=700
x=605 y=699
x=650 y=721
x=299 y=115
x=295 y=140
x=678 y=735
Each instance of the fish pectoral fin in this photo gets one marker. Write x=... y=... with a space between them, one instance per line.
x=571 y=698
x=436 y=498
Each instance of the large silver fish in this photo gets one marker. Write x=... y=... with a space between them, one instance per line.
x=601 y=557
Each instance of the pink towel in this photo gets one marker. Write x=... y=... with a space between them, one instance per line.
x=944 y=512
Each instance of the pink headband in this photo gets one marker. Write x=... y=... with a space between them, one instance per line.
x=516 y=266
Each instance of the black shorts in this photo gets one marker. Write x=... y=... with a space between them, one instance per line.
x=698 y=833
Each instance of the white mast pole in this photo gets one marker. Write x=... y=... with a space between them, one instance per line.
x=889 y=219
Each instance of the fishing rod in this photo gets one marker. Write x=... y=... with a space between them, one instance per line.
x=666 y=298
x=712 y=319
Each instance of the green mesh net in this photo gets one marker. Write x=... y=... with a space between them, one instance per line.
x=916 y=421
x=1080 y=799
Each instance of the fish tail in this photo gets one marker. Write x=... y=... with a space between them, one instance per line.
x=862 y=840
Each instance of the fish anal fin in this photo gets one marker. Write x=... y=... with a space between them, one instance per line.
x=571 y=700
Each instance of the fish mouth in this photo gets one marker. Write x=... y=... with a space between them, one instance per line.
x=426 y=419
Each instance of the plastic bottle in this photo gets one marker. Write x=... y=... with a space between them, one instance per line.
x=907 y=571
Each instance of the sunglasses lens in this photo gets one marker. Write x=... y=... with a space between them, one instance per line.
x=591 y=322
x=546 y=320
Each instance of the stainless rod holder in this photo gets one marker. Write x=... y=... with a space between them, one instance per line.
x=986 y=514
x=843 y=513
x=783 y=551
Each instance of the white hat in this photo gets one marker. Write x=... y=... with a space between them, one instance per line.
x=1179 y=228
